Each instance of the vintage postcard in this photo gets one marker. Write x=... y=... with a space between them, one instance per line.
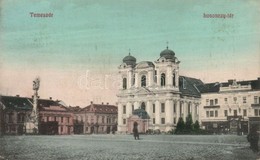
x=121 y=79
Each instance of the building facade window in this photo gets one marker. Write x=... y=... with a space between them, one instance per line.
x=124 y=109
x=155 y=76
x=124 y=83
x=153 y=120
x=68 y=119
x=153 y=108
x=174 y=107
x=143 y=106
x=244 y=112
x=207 y=113
x=133 y=82
x=235 y=112
x=255 y=99
x=173 y=80
x=174 y=120
x=61 y=120
x=189 y=108
x=211 y=102
x=162 y=107
x=226 y=100
x=216 y=113
x=216 y=101
x=163 y=79
x=244 y=99
x=103 y=119
x=162 y=120
x=124 y=121
x=235 y=99
x=133 y=108
x=143 y=81
x=256 y=112
x=207 y=102
x=225 y=113
x=211 y=113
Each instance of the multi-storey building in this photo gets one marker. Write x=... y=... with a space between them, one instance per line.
x=230 y=106
x=159 y=90
x=95 y=118
x=54 y=117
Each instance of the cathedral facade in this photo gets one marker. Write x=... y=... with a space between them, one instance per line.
x=157 y=90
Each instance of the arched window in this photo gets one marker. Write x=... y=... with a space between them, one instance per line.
x=155 y=76
x=124 y=83
x=143 y=81
x=173 y=80
x=162 y=79
x=133 y=80
x=143 y=106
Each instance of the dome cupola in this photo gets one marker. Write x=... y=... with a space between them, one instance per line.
x=129 y=60
x=167 y=53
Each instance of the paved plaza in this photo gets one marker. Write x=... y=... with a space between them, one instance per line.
x=125 y=147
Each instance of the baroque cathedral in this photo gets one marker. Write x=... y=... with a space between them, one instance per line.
x=155 y=94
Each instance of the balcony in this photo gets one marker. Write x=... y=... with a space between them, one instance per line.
x=255 y=105
x=212 y=106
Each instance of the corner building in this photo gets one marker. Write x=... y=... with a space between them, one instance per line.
x=158 y=89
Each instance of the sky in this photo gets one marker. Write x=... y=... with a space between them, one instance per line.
x=77 y=51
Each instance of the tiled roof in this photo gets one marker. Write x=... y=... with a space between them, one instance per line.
x=75 y=109
x=46 y=102
x=189 y=86
x=101 y=108
x=209 y=87
x=54 y=108
x=24 y=103
x=16 y=103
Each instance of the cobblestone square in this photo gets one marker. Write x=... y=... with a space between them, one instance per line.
x=219 y=147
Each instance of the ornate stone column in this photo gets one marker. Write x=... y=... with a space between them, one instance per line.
x=150 y=77
x=130 y=79
x=157 y=114
x=137 y=80
x=128 y=109
x=177 y=102
x=120 y=117
x=184 y=106
x=169 y=114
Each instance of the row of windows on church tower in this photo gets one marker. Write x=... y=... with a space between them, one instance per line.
x=143 y=80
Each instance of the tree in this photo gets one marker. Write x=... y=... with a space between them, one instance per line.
x=196 y=125
x=189 y=123
x=180 y=126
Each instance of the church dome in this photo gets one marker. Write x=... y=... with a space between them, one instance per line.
x=141 y=113
x=167 y=53
x=129 y=60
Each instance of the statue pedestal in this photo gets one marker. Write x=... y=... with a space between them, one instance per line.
x=31 y=128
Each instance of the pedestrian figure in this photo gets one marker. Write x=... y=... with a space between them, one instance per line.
x=135 y=130
x=253 y=138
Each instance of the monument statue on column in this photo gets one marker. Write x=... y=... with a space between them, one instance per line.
x=33 y=119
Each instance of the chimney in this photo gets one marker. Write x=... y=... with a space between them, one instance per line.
x=17 y=95
x=50 y=98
